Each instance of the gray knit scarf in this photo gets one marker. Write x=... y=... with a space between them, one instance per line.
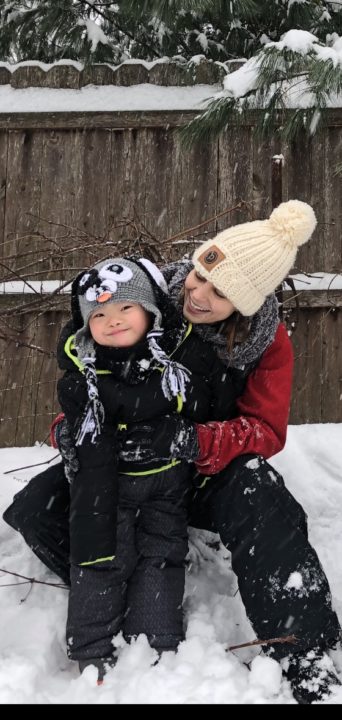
x=262 y=330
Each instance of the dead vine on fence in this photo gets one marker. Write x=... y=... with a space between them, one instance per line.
x=32 y=313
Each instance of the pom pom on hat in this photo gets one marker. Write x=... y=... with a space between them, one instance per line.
x=295 y=222
x=247 y=262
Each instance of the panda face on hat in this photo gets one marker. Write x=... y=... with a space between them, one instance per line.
x=100 y=285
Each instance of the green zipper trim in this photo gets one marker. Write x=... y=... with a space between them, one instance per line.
x=155 y=470
x=69 y=346
x=179 y=403
x=93 y=562
x=179 y=397
x=203 y=483
x=188 y=331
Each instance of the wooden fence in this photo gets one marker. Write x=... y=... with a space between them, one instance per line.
x=78 y=186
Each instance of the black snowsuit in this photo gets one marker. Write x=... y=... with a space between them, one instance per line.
x=135 y=511
x=130 y=394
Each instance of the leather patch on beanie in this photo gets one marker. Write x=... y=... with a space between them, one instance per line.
x=211 y=257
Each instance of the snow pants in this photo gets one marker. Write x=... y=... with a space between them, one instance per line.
x=141 y=589
x=281 y=581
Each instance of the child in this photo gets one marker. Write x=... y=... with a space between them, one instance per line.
x=132 y=358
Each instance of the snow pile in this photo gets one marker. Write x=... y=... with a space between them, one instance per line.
x=33 y=663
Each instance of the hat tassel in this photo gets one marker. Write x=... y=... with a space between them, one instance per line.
x=175 y=375
x=94 y=413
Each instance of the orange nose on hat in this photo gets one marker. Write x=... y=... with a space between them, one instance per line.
x=104 y=297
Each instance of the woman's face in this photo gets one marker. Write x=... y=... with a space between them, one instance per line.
x=203 y=303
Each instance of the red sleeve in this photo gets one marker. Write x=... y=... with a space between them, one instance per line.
x=54 y=431
x=264 y=410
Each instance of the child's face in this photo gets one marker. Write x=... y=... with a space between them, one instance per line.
x=119 y=324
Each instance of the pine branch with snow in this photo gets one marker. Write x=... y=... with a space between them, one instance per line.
x=292 y=81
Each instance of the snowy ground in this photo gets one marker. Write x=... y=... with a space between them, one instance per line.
x=33 y=664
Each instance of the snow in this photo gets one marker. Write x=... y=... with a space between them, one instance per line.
x=149 y=97
x=279 y=159
x=317 y=281
x=148 y=64
x=295 y=581
x=197 y=59
x=109 y=98
x=243 y=80
x=295 y=92
x=95 y=33
x=314 y=122
x=16 y=287
x=300 y=41
x=304 y=42
x=12 y=67
x=33 y=664
x=312 y=281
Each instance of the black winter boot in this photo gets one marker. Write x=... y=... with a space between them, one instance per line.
x=312 y=676
x=102 y=665
x=161 y=651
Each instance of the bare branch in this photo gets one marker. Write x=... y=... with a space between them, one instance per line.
x=21 y=343
x=272 y=641
x=33 y=580
x=26 y=467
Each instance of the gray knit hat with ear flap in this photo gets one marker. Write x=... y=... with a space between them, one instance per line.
x=112 y=281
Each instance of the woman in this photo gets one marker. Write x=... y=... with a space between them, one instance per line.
x=227 y=295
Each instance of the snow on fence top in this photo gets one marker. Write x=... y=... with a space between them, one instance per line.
x=73 y=75
x=301 y=281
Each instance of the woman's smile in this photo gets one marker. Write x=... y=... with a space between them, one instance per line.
x=196 y=307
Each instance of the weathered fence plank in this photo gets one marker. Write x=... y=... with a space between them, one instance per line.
x=307 y=387
x=197 y=189
x=92 y=182
x=332 y=366
x=23 y=189
x=3 y=178
x=332 y=194
x=262 y=176
x=126 y=183
x=235 y=174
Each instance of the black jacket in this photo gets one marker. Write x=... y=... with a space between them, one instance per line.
x=128 y=397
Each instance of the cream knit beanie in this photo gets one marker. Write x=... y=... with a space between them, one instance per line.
x=247 y=262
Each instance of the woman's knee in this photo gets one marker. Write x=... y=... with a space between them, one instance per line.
x=261 y=481
x=254 y=470
x=44 y=500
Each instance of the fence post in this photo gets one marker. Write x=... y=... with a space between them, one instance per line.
x=276 y=198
